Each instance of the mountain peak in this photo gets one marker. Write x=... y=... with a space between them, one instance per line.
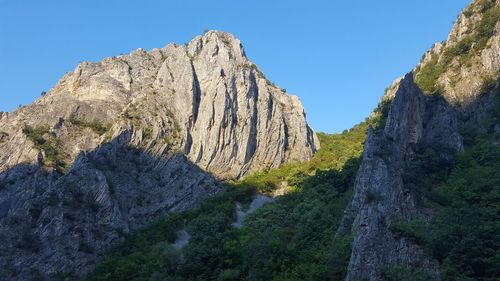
x=219 y=34
x=216 y=43
x=208 y=85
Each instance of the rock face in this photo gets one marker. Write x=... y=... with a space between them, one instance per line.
x=381 y=198
x=118 y=143
x=227 y=117
x=416 y=120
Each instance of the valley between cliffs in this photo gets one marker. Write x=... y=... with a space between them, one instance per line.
x=161 y=165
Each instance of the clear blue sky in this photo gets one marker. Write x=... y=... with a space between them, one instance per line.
x=337 y=56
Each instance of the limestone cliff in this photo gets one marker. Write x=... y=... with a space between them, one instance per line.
x=118 y=143
x=205 y=99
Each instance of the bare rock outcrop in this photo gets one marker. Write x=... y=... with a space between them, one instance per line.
x=229 y=119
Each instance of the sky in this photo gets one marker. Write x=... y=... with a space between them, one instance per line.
x=337 y=56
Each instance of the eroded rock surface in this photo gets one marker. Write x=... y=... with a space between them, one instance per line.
x=205 y=98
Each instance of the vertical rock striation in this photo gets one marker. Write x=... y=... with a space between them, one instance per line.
x=380 y=196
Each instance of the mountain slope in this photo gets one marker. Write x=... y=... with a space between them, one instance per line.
x=118 y=143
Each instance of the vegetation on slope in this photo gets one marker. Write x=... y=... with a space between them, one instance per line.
x=463 y=51
x=95 y=125
x=336 y=150
x=290 y=239
x=51 y=145
x=464 y=235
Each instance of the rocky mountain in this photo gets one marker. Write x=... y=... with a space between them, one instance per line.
x=131 y=140
x=205 y=99
x=449 y=92
x=118 y=143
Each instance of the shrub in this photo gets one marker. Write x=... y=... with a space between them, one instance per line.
x=95 y=125
x=338 y=259
x=147 y=134
x=427 y=77
x=229 y=275
x=36 y=135
x=415 y=230
x=382 y=111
